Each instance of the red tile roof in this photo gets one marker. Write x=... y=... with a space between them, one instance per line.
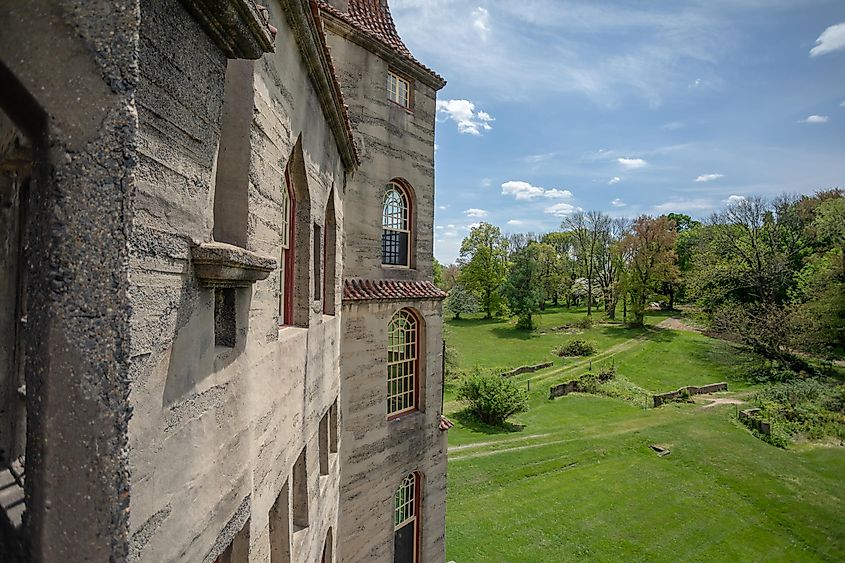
x=389 y=290
x=374 y=19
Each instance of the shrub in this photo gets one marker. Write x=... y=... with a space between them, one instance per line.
x=576 y=348
x=606 y=373
x=491 y=397
x=584 y=324
x=806 y=408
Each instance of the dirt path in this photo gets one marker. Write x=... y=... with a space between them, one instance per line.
x=715 y=402
x=676 y=323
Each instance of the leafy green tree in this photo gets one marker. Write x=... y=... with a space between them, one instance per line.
x=438 y=273
x=491 y=397
x=559 y=268
x=460 y=302
x=589 y=230
x=650 y=249
x=609 y=263
x=483 y=262
x=523 y=288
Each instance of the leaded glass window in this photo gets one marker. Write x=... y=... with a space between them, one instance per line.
x=402 y=363
x=396 y=232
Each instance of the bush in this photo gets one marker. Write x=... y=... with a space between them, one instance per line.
x=576 y=348
x=806 y=408
x=491 y=397
x=606 y=373
x=584 y=324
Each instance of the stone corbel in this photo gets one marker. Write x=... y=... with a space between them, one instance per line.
x=240 y=28
x=217 y=264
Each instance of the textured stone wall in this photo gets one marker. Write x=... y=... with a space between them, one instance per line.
x=68 y=78
x=393 y=143
x=378 y=453
x=216 y=431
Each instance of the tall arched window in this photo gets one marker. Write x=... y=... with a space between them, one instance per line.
x=406 y=508
x=287 y=230
x=402 y=363
x=396 y=226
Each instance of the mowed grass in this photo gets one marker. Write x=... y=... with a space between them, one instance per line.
x=575 y=478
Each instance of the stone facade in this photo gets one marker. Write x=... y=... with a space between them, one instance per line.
x=165 y=415
x=396 y=144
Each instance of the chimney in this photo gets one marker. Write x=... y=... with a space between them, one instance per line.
x=342 y=5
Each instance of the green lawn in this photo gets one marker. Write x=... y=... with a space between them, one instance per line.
x=575 y=478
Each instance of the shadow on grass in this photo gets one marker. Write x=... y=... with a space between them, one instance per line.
x=470 y=421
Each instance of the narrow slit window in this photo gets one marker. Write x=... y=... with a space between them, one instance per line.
x=396 y=227
x=300 y=493
x=333 y=428
x=324 y=444
x=287 y=233
x=398 y=90
x=318 y=262
x=402 y=363
x=280 y=527
x=225 y=317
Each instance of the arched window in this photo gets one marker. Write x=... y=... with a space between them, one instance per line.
x=406 y=504
x=287 y=231
x=402 y=363
x=396 y=226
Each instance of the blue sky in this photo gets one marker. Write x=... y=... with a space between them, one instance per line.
x=627 y=107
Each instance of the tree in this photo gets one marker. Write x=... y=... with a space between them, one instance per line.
x=557 y=265
x=588 y=230
x=460 y=301
x=609 y=263
x=650 y=249
x=523 y=288
x=483 y=263
x=491 y=397
x=437 y=273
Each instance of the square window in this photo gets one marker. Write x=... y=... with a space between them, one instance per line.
x=398 y=90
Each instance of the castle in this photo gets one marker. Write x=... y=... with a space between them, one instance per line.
x=219 y=337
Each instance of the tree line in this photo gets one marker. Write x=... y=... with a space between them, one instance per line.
x=769 y=272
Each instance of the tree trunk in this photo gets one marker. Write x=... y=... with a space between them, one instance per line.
x=589 y=298
x=672 y=298
x=611 y=308
x=625 y=309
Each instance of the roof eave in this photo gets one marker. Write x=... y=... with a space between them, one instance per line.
x=302 y=17
x=408 y=67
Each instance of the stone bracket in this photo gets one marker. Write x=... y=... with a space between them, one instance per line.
x=217 y=264
x=238 y=27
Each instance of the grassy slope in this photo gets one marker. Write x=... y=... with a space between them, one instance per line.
x=579 y=481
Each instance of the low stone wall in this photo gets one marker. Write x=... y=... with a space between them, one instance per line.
x=751 y=418
x=565 y=389
x=691 y=389
x=527 y=369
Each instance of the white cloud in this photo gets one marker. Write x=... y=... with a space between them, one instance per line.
x=618 y=203
x=815 y=119
x=471 y=226
x=735 y=199
x=558 y=194
x=615 y=180
x=684 y=205
x=486 y=182
x=443 y=207
x=842 y=105
x=708 y=177
x=436 y=146
x=560 y=209
x=631 y=163
x=523 y=191
x=695 y=83
x=831 y=39
x=450 y=226
x=481 y=21
x=463 y=112
x=474 y=212
x=515 y=222
x=439 y=227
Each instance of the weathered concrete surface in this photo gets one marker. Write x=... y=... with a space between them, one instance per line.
x=377 y=453
x=69 y=78
x=216 y=431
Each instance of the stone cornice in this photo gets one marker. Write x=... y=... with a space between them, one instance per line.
x=401 y=63
x=236 y=26
x=302 y=18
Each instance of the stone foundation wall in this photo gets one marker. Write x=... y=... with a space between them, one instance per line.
x=691 y=390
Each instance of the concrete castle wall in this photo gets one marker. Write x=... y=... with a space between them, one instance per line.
x=216 y=431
